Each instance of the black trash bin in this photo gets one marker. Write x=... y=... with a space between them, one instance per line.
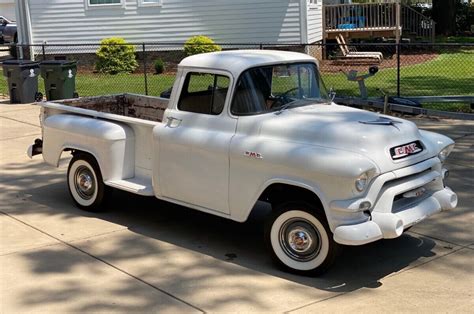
x=59 y=78
x=22 y=77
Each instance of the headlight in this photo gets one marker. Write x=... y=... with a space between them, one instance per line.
x=444 y=153
x=361 y=182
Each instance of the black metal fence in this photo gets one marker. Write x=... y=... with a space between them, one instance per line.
x=405 y=70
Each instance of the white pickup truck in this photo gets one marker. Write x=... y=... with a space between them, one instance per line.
x=243 y=126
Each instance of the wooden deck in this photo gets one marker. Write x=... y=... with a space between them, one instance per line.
x=366 y=32
x=384 y=19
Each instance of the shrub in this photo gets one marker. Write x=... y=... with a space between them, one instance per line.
x=200 y=44
x=159 y=66
x=115 y=56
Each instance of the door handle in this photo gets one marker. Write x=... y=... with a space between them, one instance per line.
x=173 y=122
x=173 y=119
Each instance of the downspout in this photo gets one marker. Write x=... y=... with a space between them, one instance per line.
x=304 y=24
x=24 y=30
x=19 y=24
x=29 y=29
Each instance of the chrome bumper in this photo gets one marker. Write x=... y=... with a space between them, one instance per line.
x=392 y=212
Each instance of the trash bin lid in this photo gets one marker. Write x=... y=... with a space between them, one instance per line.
x=21 y=63
x=58 y=62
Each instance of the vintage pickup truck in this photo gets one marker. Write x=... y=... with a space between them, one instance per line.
x=247 y=126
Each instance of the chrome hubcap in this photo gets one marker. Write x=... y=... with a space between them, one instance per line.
x=299 y=239
x=84 y=182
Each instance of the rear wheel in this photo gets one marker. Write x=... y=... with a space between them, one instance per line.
x=299 y=239
x=85 y=182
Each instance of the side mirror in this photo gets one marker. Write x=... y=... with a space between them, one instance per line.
x=373 y=70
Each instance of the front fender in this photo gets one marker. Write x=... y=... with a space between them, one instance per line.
x=328 y=173
x=435 y=142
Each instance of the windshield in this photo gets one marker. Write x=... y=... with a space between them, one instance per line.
x=277 y=87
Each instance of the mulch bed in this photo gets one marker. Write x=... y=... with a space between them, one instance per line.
x=334 y=66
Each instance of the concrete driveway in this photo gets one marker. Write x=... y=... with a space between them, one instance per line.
x=144 y=255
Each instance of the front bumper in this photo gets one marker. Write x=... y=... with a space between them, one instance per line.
x=392 y=212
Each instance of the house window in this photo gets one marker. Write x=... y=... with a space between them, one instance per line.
x=149 y=2
x=104 y=2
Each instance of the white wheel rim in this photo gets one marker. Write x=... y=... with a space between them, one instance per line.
x=309 y=248
x=83 y=183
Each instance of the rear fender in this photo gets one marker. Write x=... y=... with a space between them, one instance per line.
x=111 y=143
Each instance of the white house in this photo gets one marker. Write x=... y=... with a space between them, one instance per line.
x=7 y=9
x=225 y=21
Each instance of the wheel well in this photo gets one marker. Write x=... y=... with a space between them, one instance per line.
x=75 y=152
x=279 y=192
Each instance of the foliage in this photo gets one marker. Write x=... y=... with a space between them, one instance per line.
x=200 y=44
x=464 y=17
x=115 y=56
x=463 y=12
x=159 y=66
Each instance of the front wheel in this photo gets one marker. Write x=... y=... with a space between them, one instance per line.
x=85 y=182
x=299 y=239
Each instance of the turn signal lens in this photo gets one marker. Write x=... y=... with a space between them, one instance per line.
x=444 y=153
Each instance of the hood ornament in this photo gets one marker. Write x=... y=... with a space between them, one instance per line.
x=382 y=121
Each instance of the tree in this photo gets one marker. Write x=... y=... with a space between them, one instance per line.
x=444 y=14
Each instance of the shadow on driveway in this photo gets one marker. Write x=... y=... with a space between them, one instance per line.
x=225 y=240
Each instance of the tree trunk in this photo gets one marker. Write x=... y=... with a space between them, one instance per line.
x=444 y=14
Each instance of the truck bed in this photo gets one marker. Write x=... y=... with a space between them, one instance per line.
x=128 y=105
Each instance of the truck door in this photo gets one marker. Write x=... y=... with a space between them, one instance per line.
x=194 y=142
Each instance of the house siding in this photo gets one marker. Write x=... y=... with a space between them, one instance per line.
x=315 y=22
x=225 y=21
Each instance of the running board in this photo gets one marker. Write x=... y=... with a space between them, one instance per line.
x=140 y=186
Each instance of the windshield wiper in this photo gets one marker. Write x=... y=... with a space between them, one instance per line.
x=286 y=106
x=296 y=102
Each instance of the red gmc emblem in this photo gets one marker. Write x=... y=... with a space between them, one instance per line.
x=405 y=150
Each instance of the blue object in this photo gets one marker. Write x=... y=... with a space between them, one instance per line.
x=347 y=26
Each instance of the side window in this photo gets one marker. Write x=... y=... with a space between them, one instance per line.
x=204 y=93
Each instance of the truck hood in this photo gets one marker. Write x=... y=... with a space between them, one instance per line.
x=348 y=129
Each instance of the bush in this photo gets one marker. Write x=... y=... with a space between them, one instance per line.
x=159 y=66
x=115 y=56
x=200 y=44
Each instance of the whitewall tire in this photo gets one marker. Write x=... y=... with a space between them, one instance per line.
x=299 y=239
x=85 y=182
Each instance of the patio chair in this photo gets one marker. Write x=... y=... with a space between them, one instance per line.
x=353 y=51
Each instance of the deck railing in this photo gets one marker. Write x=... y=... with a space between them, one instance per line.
x=416 y=24
x=389 y=15
x=362 y=16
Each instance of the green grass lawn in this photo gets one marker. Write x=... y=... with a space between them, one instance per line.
x=448 y=74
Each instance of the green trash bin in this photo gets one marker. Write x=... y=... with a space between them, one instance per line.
x=59 y=79
x=22 y=78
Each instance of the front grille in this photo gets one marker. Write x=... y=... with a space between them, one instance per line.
x=400 y=203
x=409 y=176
